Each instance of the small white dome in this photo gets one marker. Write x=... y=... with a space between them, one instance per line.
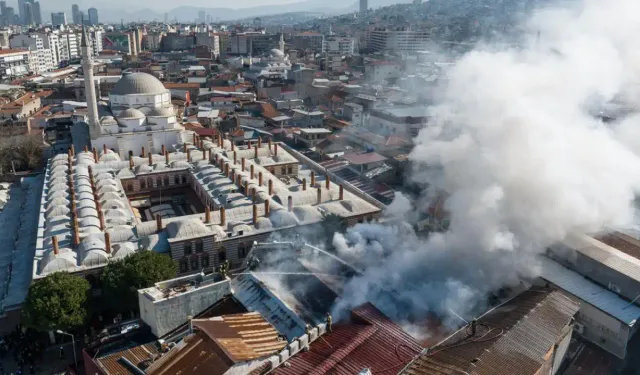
x=131 y=113
x=187 y=229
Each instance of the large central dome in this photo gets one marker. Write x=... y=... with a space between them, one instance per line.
x=138 y=83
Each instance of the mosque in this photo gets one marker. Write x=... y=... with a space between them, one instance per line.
x=139 y=114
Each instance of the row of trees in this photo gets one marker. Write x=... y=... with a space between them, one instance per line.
x=64 y=301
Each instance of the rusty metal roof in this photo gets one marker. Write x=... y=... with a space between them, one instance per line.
x=138 y=355
x=242 y=337
x=513 y=338
x=369 y=340
x=219 y=343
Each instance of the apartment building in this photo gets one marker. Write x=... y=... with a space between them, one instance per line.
x=398 y=40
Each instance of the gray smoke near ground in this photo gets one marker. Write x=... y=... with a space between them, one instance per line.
x=522 y=158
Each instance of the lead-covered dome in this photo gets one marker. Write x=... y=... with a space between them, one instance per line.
x=138 y=83
x=131 y=113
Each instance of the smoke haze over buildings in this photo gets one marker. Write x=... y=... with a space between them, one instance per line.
x=522 y=158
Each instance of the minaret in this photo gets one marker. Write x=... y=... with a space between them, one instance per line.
x=89 y=86
x=282 y=42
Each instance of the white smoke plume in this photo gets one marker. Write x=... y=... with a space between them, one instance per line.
x=522 y=158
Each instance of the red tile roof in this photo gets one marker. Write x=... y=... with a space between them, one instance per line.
x=370 y=340
x=10 y=51
x=206 y=132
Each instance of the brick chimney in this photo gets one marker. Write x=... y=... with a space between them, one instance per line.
x=253 y=172
x=327 y=181
x=266 y=208
x=166 y=157
x=101 y=218
x=304 y=184
x=95 y=155
x=150 y=160
x=143 y=153
x=243 y=164
x=130 y=163
x=260 y=179
x=56 y=248
x=255 y=152
x=235 y=157
x=259 y=142
x=255 y=214
x=246 y=187
x=195 y=139
x=107 y=242
x=226 y=169
x=164 y=149
x=313 y=178
x=253 y=195
x=73 y=150
x=341 y=192
x=158 y=223
x=76 y=230
x=104 y=148
x=275 y=149
x=270 y=187
x=232 y=175
x=249 y=145
x=290 y=203
x=269 y=144
x=223 y=217
x=319 y=195
x=189 y=155
x=204 y=153
x=233 y=146
x=207 y=215
x=184 y=148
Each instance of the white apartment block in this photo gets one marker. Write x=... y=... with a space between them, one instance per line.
x=69 y=46
x=342 y=45
x=96 y=41
x=14 y=63
x=42 y=59
x=398 y=40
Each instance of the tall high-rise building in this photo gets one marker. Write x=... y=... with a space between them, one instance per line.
x=21 y=10
x=58 y=19
x=201 y=16
x=37 y=15
x=364 y=6
x=75 y=14
x=93 y=16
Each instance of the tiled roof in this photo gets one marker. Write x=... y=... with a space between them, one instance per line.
x=369 y=340
x=513 y=338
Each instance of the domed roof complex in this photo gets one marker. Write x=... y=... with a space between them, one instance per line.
x=276 y=53
x=138 y=83
x=161 y=112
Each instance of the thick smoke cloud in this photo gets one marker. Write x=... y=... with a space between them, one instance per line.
x=523 y=159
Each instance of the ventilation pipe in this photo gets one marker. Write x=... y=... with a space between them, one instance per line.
x=166 y=157
x=243 y=164
x=150 y=160
x=275 y=148
x=290 y=201
x=95 y=155
x=269 y=144
x=255 y=152
x=189 y=155
x=313 y=178
x=319 y=195
x=304 y=184
x=255 y=214
x=101 y=218
x=207 y=215
x=259 y=142
x=253 y=172
x=341 y=192
x=130 y=163
x=270 y=187
x=260 y=179
x=266 y=208
x=142 y=154
x=104 y=148
x=223 y=217
x=76 y=230
x=164 y=149
x=158 y=223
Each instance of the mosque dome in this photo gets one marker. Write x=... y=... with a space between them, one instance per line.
x=138 y=83
x=276 y=53
x=131 y=113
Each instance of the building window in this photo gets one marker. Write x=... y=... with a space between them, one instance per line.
x=159 y=182
x=194 y=263
x=187 y=249
x=176 y=179
x=166 y=181
x=205 y=260
x=199 y=247
x=283 y=170
x=242 y=250
x=290 y=170
x=143 y=184
x=184 y=179
x=150 y=183
x=222 y=255
x=183 y=266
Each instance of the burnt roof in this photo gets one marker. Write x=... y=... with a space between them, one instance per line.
x=622 y=242
x=513 y=338
x=369 y=340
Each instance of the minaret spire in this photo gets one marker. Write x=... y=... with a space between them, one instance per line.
x=282 y=42
x=89 y=85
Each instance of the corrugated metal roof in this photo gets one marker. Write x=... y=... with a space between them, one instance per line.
x=138 y=355
x=607 y=255
x=243 y=337
x=589 y=291
x=513 y=338
x=370 y=340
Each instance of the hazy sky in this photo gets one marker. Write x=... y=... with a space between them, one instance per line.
x=156 y=4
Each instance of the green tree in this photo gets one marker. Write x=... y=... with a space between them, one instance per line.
x=122 y=279
x=59 y=301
